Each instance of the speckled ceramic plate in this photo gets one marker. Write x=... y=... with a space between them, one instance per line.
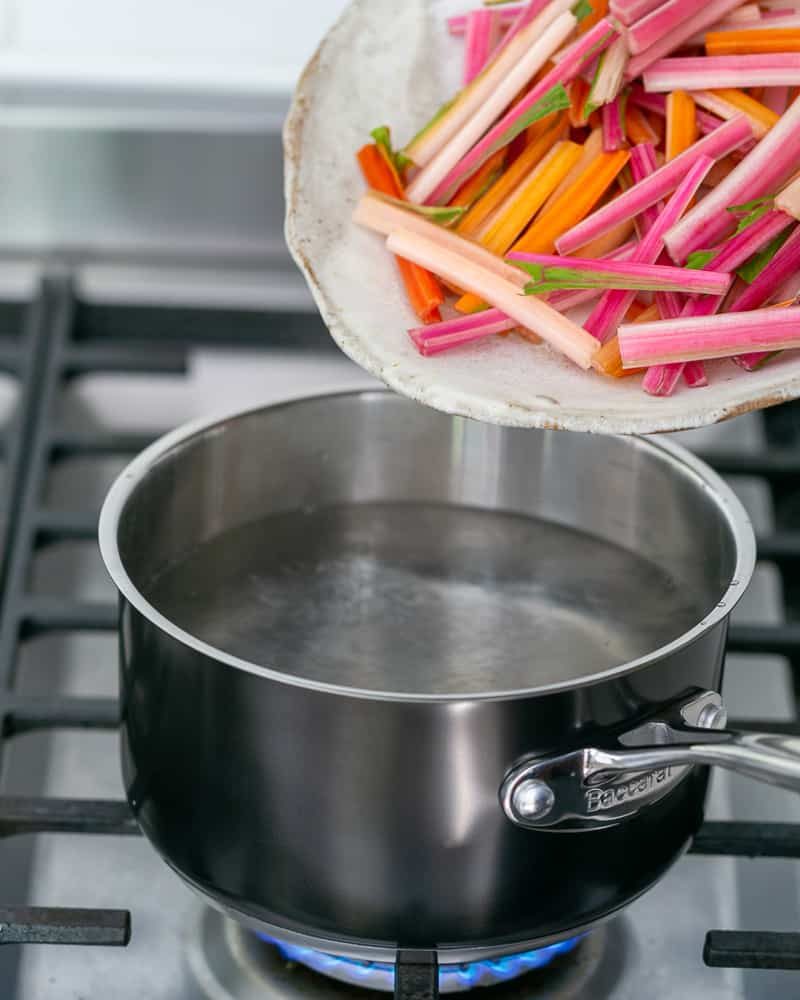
x=386 y=62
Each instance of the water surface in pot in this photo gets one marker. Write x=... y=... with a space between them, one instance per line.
x=428 y=598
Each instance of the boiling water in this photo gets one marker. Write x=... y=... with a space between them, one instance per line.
x=423 y=598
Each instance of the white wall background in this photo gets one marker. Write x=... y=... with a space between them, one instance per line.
x=228 y=45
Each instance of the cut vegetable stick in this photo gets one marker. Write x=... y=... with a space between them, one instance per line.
x=611 y=116
x=480 y=181
x=675 y=32
x=581 y=272
x=761 y=172
x=483 y=34
x=529 y=11
x=608 y=361
x=783 y=265
x=681 y=123
x=698 y=338
x=592 y=148
x=643 y=164
x=716 y=144
x=759 y=41
x=660 y=380
x=609 y=75
x=520 y=208
x=713 y=72
x=660 y=23
x=470 y=223
x=530 y=196
x=564 y=301
x=540 y=44
x=728 y=102
x=562 y=334
x=381 y=216
x=788 y=200
x=449 y=121
x=578 y=91
x=424 y=292
x=694 y=374
x=574 y=204
x=637 y=126
x=452 y=333
x=575 y=57
x=739 y=248
x=613 y=305
x=630 y=11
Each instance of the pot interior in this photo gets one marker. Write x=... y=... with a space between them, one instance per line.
x=369 y=543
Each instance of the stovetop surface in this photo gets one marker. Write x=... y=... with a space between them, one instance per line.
x=654 y=949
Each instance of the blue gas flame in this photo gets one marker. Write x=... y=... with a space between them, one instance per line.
x=452 y=978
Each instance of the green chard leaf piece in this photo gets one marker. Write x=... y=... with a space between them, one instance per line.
x=697 y=261
x=383 y=138
x=553 y=278
x=751 y=268
x=556 y=99
x=751 y=211
x=444 y=215
x=582 y=10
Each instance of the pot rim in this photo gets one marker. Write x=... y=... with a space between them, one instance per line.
x=137 y=470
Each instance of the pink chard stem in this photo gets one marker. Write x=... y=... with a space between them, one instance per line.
x=613 y=127
x=577 y=56
x=694 y=374
x=673 y=33
x=723 y=140
x=452 y=333
x=614 y=304
x=720 y=336
x=761 y=172
x=714 y=72
x=483 y=34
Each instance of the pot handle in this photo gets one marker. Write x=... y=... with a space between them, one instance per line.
x=594 y=787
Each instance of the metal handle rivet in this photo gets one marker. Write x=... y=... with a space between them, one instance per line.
x=533 y=799
x=713 y=717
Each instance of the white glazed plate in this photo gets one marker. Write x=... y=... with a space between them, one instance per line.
x=392 y=63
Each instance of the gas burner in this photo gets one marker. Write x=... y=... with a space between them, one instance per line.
x=452 y=978
x=230 y=962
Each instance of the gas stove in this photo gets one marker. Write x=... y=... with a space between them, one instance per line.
x=86 y=386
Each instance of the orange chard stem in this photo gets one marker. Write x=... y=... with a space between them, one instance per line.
x=608 y=360
x=599 y=11
x=481 y=180
x=578 y=91
x=575 y=203
x=749 y=105
x=471 y=222
x=681 y=123
x=752 y=41
x=423 y=290
x=522 y=206
x=637 y=127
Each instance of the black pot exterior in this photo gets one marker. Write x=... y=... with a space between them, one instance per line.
x=355 y=819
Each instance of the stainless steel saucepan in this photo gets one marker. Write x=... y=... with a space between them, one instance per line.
x=393 y=679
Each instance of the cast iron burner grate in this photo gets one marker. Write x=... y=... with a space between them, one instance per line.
x=55 y=337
